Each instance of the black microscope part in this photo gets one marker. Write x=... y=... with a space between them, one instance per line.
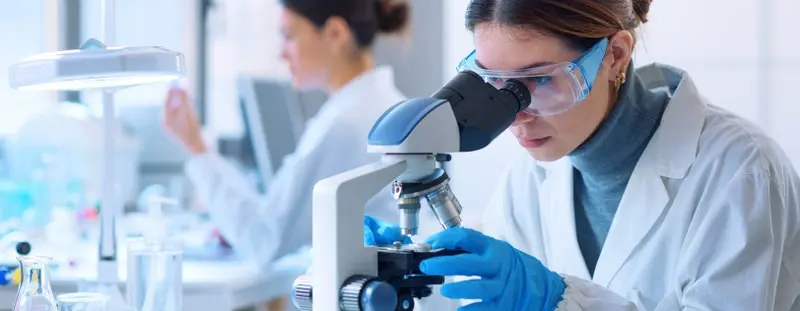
x=443 y=157
x=400 y=268
x=439 y=176
x=481 y=110
x=23 y=248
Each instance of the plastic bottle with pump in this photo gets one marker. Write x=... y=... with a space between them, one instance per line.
x=154 y=279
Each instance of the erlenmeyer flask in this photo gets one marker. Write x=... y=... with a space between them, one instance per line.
x=35 y=293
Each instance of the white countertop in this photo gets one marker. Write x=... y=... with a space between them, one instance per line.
x=209 y=283
x=223 y=285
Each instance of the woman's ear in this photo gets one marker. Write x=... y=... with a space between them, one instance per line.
x=336 y=32
x=620 y=49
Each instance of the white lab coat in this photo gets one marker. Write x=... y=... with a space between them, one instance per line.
x=708 y=221
x=264 y=228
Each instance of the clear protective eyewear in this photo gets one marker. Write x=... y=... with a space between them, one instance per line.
x=555 y=88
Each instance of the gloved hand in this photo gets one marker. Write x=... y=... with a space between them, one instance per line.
x=510 y=279
x=377 y=232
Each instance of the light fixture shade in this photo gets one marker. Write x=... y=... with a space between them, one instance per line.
x=96 y=66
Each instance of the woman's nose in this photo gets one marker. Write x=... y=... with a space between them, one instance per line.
x=523 y=117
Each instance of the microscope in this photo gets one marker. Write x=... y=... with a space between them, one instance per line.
x=413 y=136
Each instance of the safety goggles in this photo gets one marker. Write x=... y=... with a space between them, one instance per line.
x=555 y=88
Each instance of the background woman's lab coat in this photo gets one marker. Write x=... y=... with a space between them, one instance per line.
x=708 y=221
x=264 y=228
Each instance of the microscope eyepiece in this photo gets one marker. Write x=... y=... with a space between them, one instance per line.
x=483 y=111
x=517 y=92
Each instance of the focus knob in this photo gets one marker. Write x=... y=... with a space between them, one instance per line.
x=302 y=293
x=362 y=293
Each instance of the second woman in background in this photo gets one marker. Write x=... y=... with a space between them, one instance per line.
x=327 y=45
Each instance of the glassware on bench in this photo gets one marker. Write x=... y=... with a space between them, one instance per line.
x=34 y=292
x=82 y=302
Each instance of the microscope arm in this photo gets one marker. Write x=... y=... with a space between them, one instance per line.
x=338 y=225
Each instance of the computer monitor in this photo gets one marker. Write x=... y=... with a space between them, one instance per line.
x=161 y=158
x=273 y=118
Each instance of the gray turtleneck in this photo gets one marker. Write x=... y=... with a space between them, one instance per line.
x=604 y=163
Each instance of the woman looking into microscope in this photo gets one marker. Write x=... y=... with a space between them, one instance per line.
x=636 y=193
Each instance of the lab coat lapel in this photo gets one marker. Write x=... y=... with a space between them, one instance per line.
x=642 y=203
x=670 y=154
x=563 y=253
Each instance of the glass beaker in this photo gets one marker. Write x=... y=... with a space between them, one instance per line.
x=82 y=302
x=110 y=291
x=155 y=276
x=34 y=292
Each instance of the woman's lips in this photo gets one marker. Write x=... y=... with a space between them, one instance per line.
x=533 y=142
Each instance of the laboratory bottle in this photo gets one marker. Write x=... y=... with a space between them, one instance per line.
x=155 y=266
x=34 y=292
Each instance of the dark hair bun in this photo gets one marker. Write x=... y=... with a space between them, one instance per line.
x=641 y=8
x=392 y=15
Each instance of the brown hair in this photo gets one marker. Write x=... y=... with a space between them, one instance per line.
x=366 y=18
x=581 y=23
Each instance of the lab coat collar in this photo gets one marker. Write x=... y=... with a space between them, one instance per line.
x=670 y=153
x=378 y=80
x=674 y=145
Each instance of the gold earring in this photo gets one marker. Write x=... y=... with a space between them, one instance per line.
x=620 y=80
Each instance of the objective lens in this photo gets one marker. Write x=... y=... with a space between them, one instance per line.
x=409 y=215
x=445 y=206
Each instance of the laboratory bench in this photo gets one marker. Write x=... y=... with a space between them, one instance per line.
x=208 y=285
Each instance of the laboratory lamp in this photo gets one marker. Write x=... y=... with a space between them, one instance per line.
x=98 y=64
x=95 y=66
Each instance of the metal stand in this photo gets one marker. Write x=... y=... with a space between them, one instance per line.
x=107 y=267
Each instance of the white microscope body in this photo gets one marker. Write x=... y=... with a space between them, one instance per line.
x=413 y=136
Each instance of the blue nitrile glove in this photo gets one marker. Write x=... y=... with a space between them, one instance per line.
x=510 y=279
x=377 y=232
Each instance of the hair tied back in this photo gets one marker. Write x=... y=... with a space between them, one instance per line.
x=641 y=8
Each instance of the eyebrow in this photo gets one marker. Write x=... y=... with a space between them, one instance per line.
x=536 y=64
